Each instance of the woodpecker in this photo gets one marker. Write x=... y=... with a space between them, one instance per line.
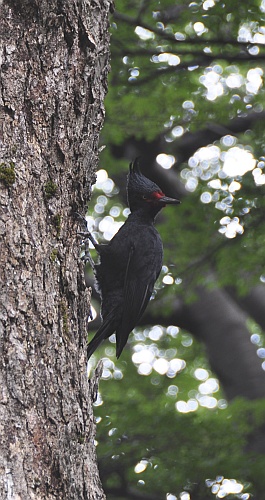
x=130 y=263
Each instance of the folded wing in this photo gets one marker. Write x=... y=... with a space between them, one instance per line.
x=141 y=274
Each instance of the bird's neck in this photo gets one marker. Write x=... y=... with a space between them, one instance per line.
x=142 y=215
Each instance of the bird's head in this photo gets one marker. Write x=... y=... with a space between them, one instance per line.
x=144 y=193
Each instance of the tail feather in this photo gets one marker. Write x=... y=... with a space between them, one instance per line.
x=105 y=331
x=121 y=339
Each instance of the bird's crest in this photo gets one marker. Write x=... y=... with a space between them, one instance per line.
x=135 y=166
x=138 y=185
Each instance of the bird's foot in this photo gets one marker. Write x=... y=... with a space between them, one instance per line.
x=86 y=257
x=86 y=237
x=86 y=234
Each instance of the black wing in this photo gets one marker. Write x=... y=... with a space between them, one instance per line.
x=142 y=271
x=106 y=330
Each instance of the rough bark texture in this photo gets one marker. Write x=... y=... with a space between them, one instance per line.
x=54 y=65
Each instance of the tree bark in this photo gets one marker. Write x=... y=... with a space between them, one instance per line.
x=54 y=59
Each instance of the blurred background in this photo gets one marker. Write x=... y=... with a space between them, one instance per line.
x=181 y=415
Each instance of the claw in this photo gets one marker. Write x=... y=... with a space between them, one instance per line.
x=87 y=236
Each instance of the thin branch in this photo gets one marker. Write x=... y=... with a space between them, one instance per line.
x=202 y=61
x=190 y=142
x=143 y=52
x=171 y=37
x=169 y=70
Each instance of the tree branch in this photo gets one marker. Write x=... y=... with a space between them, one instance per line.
x=187 y=41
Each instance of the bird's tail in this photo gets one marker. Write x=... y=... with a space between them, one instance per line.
x=122 y=335
x=105 y=331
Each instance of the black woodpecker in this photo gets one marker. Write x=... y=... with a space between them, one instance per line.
x=130 y=263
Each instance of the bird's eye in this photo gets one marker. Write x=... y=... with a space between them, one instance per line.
x=144 y=197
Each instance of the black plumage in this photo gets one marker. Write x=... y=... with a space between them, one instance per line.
x=130 y=263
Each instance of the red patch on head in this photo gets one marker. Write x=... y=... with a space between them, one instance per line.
x=157 y=195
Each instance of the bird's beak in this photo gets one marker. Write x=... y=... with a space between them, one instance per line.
x=165 y=200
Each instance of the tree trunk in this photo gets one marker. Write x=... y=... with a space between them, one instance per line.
x=54 y=64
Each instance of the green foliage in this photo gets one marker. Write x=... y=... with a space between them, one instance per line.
x=177 y=451
x=151 y=91
x=149 y=95
x=7 y=173
x=168 y=80
x=140 y=424
x=54 y=255
x=50 y=189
